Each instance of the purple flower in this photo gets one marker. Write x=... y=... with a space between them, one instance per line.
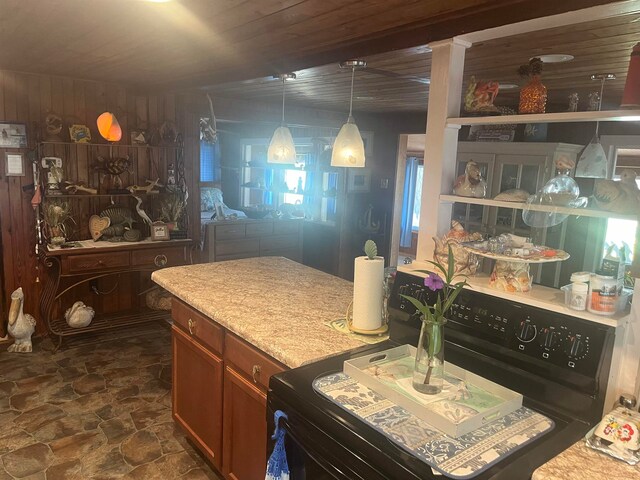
x=433 y=282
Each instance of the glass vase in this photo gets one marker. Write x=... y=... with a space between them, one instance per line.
x=428 y=373
x=533 y=97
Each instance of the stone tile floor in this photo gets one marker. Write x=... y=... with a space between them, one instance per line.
x=99 y=411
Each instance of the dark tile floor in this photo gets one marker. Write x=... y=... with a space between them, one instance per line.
x=99 y=411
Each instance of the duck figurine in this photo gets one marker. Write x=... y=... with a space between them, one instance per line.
x=471 y=183
x=621 y=197
x=21 y=325
x=79 y=315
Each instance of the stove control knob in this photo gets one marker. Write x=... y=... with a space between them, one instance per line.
x=576 y=346
x=526 y=331
x=548 y=338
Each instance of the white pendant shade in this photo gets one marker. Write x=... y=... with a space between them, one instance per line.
x=281 y=149
x=348 y=148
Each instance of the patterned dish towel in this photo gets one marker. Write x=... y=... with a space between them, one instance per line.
x=463 y=457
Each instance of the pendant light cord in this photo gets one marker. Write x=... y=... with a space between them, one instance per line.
x=604 y=79
x=283 y=89
x=353 y=74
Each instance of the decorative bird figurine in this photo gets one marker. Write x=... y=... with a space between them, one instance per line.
x=619 y=197
x=21 y=325
x=141 y=211
x=79 y=315
x=471 y=184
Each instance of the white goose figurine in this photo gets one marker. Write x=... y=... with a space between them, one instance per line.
x=21 y=325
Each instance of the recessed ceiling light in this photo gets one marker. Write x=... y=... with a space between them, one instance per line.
x=508 y=86
x=365 y=98
x=555 y=58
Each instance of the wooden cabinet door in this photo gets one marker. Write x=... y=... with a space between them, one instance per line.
x=245 y=428
x=197 y=394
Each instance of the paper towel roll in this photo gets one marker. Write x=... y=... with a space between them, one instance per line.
x=367 y=293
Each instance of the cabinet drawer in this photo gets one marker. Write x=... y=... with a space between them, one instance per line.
x=238 y=246
x=230 y=231
x=257 y=229
x=162 y=257
x=283 y=226
x=279 y=242
x=200 y=327
x=96 y=261
x=251 y=362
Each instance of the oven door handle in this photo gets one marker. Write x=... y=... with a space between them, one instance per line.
x=330 y=469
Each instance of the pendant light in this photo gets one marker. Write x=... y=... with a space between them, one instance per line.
x=281 y=148
x=348 y=148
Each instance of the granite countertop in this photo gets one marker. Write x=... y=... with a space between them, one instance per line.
x=275 y=304
x=580 y=462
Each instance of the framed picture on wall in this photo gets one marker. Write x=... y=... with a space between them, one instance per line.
x=358 y=180
x=13 y=135
x=14 y=164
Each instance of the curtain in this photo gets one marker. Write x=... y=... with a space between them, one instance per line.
x=410 y=178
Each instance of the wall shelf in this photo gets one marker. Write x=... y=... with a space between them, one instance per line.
x=604 y=116
x=581 y=212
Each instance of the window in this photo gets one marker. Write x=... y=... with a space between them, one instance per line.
x=417 y=198
x=295 y=181
x=210 y=171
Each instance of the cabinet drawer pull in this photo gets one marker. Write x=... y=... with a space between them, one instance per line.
x=160 y=260
x=255 y=372
x=192 y=326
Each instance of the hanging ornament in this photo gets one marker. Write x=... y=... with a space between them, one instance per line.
x=109 y=127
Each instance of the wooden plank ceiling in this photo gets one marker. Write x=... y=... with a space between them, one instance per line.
x=204 y=42
x=397 y=81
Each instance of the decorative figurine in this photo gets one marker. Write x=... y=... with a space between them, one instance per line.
x=171 y=176
x=148 y=189
x=139 y=137
x=480 y=96
x=121 y=220
x=145 y=218
x=621 y=197
x=594 y=101
x=54 y=174
x=631 y=95
x=79 y=315
x=466 y=263
x=114 y=167
x=168 y=132
x=573 y=102
x=21 y=325
x=533 y=96
x=471 y=183
x=74 y=188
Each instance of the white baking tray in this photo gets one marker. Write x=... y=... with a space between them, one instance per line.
x=466 y=403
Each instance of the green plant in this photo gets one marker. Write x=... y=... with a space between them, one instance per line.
x=56 y=213
x=172 y=207
x=434 y=316
x=371 y=249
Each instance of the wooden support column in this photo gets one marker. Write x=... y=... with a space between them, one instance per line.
x=441 y=143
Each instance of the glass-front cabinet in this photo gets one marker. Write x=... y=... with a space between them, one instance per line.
x=310 y=188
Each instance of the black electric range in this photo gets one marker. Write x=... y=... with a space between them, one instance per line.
x=559 y=363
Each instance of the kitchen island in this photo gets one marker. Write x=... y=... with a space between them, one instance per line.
x=237 y=323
